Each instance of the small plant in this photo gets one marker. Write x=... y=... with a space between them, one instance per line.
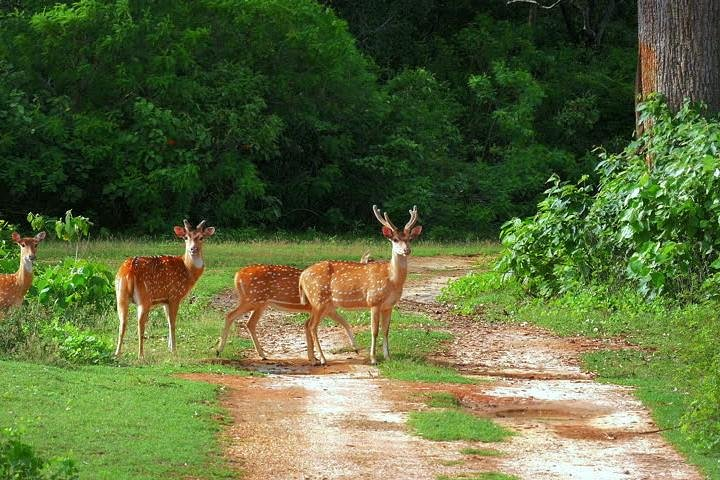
x=18 y=461
x=442 y=400
x=74 y=282
x=73 y=229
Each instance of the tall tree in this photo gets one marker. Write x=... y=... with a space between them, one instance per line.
x=679 y=51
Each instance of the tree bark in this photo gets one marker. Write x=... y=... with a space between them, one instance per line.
x=679 y=51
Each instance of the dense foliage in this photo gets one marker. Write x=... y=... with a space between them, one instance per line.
x=638 y=256
x=652 y=222
x=265 y=113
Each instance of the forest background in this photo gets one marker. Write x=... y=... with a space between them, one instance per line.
x=268 y=115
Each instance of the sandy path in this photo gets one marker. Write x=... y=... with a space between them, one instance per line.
x=343 y=422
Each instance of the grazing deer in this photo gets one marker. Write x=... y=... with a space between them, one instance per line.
x=260 y=286
x=353 y=285
x=14 y=286
x=164 y=280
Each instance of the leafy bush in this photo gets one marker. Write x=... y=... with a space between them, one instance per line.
x=77 y=346
x=18 y=461
x=651 y=223
x=74 y=282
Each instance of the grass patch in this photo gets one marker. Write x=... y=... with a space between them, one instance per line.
x=415 y=370
x=136 y=423
x=456 y=425
x=408 y=342
x=481 y=452
x=442 y=400
x=451 y=463
x=479 y=476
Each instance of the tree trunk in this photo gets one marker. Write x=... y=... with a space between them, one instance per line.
x=679 y=51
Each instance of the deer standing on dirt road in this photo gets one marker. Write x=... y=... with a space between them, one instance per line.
x=14 y=286
x=160 y=280
x=260 y=286
x=378 y=286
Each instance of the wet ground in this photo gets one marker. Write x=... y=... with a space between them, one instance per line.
x=344 y=422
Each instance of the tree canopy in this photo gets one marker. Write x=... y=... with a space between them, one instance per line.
x=294 y=114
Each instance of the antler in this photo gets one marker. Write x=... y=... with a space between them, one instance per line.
x=413 y=220
x=200 y=226
x=188 y=227
x=384 y=221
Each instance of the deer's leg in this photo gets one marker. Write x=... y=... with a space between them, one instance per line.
x=341 y=321
x=309 y=339
x=374 y=324
x=230 y=317
x=385 y=321
x=251 y=325
x=171 y=310
x=142 y=313
x=314 y=331
x=122 y=310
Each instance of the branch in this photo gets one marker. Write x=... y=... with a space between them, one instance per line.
x=535 y=2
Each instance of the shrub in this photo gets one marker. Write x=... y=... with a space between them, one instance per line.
x=74 y=282
x=18 y=461
x=78 y=346
x=652 y=227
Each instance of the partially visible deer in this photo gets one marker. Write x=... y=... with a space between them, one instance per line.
x=260 y=286
x=14 y=286
x=160 y=280
x=377 y=286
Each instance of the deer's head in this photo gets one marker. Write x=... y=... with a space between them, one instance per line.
x=194 y=239
x=28 y=248
x=400 y=239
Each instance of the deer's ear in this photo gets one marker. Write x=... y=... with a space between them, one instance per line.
x=209 y=232
x=415 y=232
x=40 y=236
x=180 y=232
x=16 y=237
x=388 y=232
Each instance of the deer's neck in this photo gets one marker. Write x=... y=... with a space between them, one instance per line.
x=24 y=275
x=398 y=269
x=195 y=266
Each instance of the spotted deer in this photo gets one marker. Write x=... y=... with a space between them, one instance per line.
x=260 y=286
x=160 y=280
x=14 y=286
x=377 y=286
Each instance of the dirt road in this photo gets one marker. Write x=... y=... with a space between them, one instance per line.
x=344 y=422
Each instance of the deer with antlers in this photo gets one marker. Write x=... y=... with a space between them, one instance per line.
x=377 y=286
x=160 y=280
x=260 y=286
x=14 y=286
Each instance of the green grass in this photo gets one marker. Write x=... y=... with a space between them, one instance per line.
x=479 y=476
x=136 y=420
x=481 y=452
x=442 y=400
x=130 y=423
x=411 y=370
x=444 y=425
